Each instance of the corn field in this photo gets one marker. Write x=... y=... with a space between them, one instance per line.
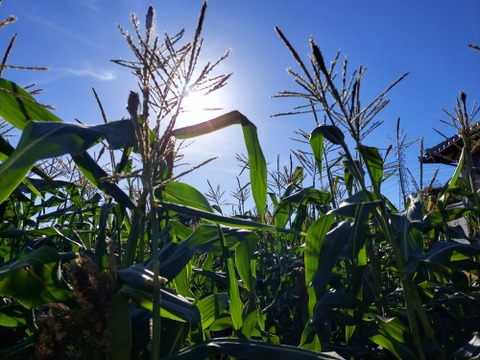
x=112 y=256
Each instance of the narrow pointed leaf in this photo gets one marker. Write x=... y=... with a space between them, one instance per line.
x=42 y=140
x=96 y=175
x=348 y=207
x=331 y=247
x=331 y=133
x=19 y=107
x=374 y=162
x=34 y=279
x=219 y=219
x=316 y=143
x=249 y=349
x=119 y=327
x=184 y=194
x=315 y=236
x=256 y=159
x=442 y=201
x=212 y=307
x=233 y=293
x=245 y=262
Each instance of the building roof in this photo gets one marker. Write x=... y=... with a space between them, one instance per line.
x=448 y=151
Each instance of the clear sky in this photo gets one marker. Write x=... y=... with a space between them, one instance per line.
x=428 y=38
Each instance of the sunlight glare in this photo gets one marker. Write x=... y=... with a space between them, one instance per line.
x=198 y=107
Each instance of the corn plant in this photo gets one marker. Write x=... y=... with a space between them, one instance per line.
x=364 y=261
x=145 y=267
x=129 y=260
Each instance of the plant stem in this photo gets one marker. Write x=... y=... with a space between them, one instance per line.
x=156 y=280
x=131 y=247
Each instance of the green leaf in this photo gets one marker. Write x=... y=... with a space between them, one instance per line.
x=249 y=349
x=374 y=162
x=219 y=219
x=184 y=194
x=173 y=307
x=316 y=143
x=175 y=256
x=358 y=250
x=408 y=231
x=331 y=247
x=42 y=140
x=443 y=199
x=34 y=279
x=308 y=196
x=439 y=217
x=245 y=262
x=256 y=160
x=315 y=237
x=19 y=107
x=471 y=350
x=446 y=252
x=212 y=307
x=258 y=167
x=389 y=333
x=14 y=315
x=393 y=327
x=250 y=320
x=119 y=327
x=331 y=133
x=348 y=207
x=96 y=175
x=233 y=293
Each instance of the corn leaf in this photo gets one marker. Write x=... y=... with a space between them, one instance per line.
x=408 y=227
x=315 y=237
x=249 y=349
x=42 y=140
x=34 y=279
x=329 y=132
x=245 y=261
x=19 y=107
x=184 y=194
x=256 y=159
x=173 y=306
x=331 y=245
x=212 y=307
x=119 y=327
x=316 y=143
x=233 y=293
x=374 y=162
x=218 y=219
x=445 y=253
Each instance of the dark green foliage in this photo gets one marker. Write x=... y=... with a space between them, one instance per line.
x=89 y=270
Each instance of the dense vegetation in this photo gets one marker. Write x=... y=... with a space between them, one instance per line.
x=124 y=261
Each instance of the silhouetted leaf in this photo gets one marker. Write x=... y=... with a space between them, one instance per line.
x=256 y=160
x=249 y=349
x=330 y=132
x=42 y=140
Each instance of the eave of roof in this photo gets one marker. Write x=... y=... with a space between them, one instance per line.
x=448 y=151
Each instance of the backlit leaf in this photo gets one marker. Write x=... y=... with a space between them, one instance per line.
x=184 y=194
x=34 y=279
x=42 y=140
x=256 y=159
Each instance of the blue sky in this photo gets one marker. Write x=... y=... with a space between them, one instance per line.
x=428 y=38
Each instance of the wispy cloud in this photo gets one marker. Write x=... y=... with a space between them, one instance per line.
x=102 y=75
x=90 y=4
x=42 y=21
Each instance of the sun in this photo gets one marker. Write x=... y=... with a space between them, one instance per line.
x=198 y=107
